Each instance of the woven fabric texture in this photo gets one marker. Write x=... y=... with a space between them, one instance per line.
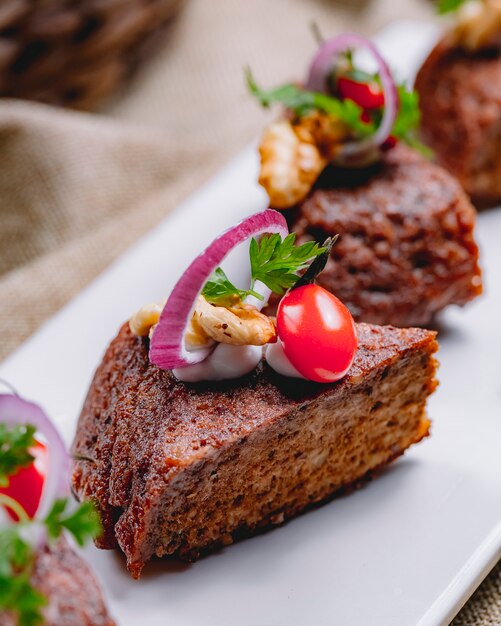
x=77 y=189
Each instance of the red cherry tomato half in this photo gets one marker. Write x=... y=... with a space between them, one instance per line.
x=366 y=95
x=27 y=484
x=317 y=332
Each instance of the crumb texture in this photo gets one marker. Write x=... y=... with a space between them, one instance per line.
x=181 y=469
x=460 y=99
x=407 y=245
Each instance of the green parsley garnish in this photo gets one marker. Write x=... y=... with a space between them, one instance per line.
x=274 y=262
x=15 y=443
x=16 y=592
x=447 y=6
x=17 y=557
x=302 y=102
x=408 y=120
x=219 y=289
x=83 y=523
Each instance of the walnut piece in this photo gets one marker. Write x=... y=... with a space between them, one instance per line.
x=147 y=317
x=293 y=155
x=289 y=164
x=478 y=24
x=240 y=325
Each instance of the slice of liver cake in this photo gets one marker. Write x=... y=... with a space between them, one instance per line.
x=180 y=469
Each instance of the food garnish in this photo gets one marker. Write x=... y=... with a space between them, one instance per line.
x=15 y=450
x=23 y=461
x=317 y=333
x=168 y=349
x=238 y=325
x=274 y=262
x=342 y=115
x=211 y=329
x=15 y=411
x=301 y=102
x=477 y=24
x=448 y=6
x=36 y=501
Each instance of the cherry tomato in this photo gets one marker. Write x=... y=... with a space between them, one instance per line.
x=367 y=95
x=25 y=486
x=317 y=332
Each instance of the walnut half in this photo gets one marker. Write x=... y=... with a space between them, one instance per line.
x=289 y=164
x=293 y=155
x=240 y=325
x=478 y=24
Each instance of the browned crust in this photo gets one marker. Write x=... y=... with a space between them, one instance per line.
x=460 y=99
x=140 y=429
x=406 y=247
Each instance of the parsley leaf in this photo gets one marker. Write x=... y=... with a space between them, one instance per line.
x=220 y=290
x=17 y=557
x=16 y=593
x=14 y=551
x=447 y=6
x=408 y=119
x=83 y=523
x=15 y=443
x=302 y=102
x=18 y=596
x=275 y=262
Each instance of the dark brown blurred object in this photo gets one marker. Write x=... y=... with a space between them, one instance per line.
x=75 y=53
x=407 y=248
x=460 y=99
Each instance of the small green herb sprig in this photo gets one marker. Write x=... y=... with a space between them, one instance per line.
x=15 y=444
x=274 y=261
x=448 y=6
x=301 y=102
x=408 y=119
x=17 y=556
x=219 y=289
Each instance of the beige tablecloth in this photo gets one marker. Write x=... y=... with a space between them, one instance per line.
x=76 y=190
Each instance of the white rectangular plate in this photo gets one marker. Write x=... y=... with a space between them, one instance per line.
x=407 y=549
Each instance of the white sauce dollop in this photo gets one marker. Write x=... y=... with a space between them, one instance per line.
x=224 y=363
x=227 y=362
x=278 y=360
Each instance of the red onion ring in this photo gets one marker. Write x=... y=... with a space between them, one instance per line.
x=167 y=349
x=16 y=410
x=320 y=68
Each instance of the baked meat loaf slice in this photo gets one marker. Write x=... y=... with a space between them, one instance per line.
x=406 y=248
x=180 y=469
x=73 y=595
x=460 y=99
